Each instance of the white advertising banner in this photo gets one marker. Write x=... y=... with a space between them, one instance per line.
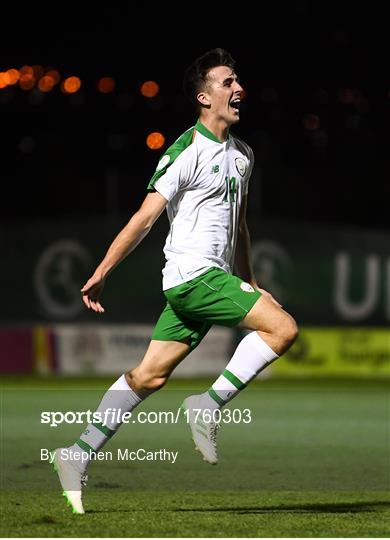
x=114 y=349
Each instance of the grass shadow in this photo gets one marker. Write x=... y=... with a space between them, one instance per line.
x=336 y=508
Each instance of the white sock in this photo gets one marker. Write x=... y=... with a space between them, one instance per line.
x=251 y=356
x=119 y=397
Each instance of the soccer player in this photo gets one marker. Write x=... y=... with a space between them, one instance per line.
x=202 y=181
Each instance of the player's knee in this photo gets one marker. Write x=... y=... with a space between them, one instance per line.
x=288 y=332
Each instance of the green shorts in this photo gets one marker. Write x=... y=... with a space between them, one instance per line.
x=214 y=297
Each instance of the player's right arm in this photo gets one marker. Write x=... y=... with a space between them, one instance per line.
x=126 y=241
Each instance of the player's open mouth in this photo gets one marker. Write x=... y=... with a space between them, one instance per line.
x=235 y=104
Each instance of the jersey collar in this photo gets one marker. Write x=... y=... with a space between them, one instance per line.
x=207 y=133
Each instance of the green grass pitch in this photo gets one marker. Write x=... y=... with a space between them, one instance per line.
x=314 y=461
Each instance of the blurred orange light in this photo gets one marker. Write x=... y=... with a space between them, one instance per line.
x=54 y=74
x=12 y=76
x=26 y=70
x=155 y=140
x=26 y=81
x=46 y=83
x=150 y=89
x=71 y=85
x=106 y=85
x=3 y=79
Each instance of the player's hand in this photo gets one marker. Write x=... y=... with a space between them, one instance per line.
x=91 y=292
x=269 y=295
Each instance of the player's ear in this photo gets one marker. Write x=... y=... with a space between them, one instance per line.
x=204 y=99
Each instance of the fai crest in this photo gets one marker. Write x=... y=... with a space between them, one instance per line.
x=240 y=166
x=246 y=287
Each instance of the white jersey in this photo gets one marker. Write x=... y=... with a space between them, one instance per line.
x=204 y=181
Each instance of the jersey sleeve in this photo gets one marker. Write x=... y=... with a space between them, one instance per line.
x=249 y=171
x=174 y=169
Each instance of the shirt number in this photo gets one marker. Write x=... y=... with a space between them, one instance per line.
x=231 y=190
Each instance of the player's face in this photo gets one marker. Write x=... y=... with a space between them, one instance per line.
x=224 y=93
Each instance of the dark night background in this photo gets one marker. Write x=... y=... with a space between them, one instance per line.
x=316 y=111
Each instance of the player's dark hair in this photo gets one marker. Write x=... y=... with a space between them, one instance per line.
x=196 y=74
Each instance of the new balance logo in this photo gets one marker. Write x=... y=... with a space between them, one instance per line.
x=215 y=168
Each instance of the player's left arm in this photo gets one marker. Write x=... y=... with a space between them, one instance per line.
x=242 y=260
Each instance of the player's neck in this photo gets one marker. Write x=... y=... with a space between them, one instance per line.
x=217 y=127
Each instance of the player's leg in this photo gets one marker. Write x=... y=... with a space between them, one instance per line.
x=172 y=340
x=123 y=396
x=273 y=332
x=273 y=324
x=225 y=299
x=154 y=370
x=71 y=463
x=127 y=392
